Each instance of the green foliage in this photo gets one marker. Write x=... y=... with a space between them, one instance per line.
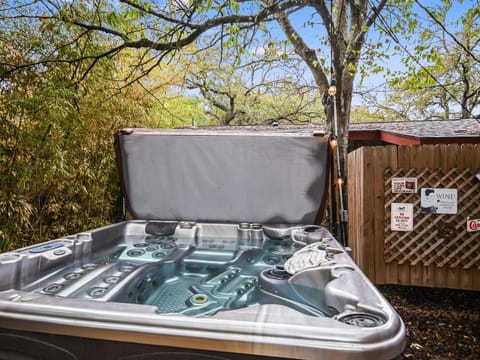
x=438 y=73
x=57 y=119
x=180 y=111
x=364 y=114
x=96 y=67
x=57 y=171
x=245 y=88
x=57 y=167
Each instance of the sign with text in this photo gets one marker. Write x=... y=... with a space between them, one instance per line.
x=438 y=201
x=402 y=217
x=404 y=185
x=473 y=224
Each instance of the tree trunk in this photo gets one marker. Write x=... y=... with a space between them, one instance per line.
x=345 y=23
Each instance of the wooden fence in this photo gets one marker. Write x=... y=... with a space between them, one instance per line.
x=438 y=251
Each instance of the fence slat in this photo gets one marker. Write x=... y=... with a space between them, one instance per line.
x=428 y=161
x=391 y=271
x=475 y=166
x=379 y=213
x=454 y=159
x=441 y=162
x=404 y=163
x=368 y=216
x=417 y=162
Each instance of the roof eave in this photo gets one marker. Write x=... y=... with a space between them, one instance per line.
x=400 y=139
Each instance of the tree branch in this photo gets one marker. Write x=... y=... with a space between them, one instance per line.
x=302 y=49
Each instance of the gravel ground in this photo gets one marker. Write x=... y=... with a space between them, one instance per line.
x=441 y=323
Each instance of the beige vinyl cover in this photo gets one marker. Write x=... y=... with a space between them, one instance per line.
x=265 y=177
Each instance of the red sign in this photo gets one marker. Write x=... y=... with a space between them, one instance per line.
x=473 y=224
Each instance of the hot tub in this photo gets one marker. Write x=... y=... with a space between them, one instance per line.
x=223 y=260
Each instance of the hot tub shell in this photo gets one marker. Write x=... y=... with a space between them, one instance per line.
x=222 y=261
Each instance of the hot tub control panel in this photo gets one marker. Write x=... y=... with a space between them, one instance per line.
x=47 y=247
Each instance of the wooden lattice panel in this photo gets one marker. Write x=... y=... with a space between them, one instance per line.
x=436 y=239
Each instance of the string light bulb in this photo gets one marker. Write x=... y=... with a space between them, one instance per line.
x=333 y=142
x=332 y=90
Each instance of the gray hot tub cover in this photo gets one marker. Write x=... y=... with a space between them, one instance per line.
x=260 y=177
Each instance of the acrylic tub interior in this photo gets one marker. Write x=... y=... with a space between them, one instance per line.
x=220 y=260
x=285 y=291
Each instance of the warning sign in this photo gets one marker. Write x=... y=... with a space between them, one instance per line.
x=404 y=185
x=402 y=217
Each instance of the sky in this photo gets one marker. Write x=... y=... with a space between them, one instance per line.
x=310 y=34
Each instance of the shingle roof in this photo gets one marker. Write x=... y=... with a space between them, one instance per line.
x=399 y=132
x=418 y=132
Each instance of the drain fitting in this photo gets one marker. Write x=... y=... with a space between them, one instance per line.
x=362 y=320
x=277 y=273
x=199 y=299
